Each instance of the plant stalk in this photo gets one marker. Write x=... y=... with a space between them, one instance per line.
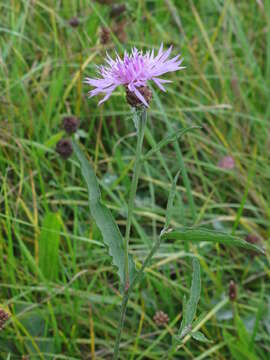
x=140 y=122
x=127 y=293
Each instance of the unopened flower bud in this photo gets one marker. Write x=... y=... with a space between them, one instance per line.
x=232 y=291
x=161 y=318
x=4 y=316
x=64 y=148
x=104 y=35
x=74 y=22
x=70 y=124
x=134 y=101
x=117 y=10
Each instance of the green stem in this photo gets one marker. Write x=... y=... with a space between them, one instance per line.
x=140 y=119
x=140 y=122
x=120 y=324
x=126 y=296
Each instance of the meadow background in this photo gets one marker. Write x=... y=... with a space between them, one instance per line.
x=56 y=278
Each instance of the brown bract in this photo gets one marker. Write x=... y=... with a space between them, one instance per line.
x=134 y=101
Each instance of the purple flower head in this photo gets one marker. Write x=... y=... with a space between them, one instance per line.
x=133 y=72
x=227 y=162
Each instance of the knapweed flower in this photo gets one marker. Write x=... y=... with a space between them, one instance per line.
x=227 y=163
x=133 y=72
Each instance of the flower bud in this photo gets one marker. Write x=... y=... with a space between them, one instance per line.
x=64 y=148
x=232 y=291
x=70 y=124
x=74 y=22
x=4 y=316
x=117 y=10
x=104 y=35
x=161 y=318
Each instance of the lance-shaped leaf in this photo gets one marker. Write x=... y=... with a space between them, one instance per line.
x=110 y=232
x=190 y=307
x=201 y=234
x=199 y=336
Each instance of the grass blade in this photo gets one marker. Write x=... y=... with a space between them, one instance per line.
x=170 y=202
x=49 y=246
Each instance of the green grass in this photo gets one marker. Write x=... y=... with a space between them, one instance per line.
x=65 y=301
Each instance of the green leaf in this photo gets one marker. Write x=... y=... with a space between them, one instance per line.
x=195 y=291
x=199 y=336
x=189 y=309
x=53 y=140
x=49 y=245
x=201 y=234
x=110 y=232
x=49 y=144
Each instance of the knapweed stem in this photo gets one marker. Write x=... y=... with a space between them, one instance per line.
x=140 y=122
x=140 y=117
x=126 y=296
